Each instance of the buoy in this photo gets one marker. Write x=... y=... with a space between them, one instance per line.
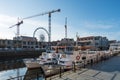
x=54 y=55
x=63 y=56
x=77 y=57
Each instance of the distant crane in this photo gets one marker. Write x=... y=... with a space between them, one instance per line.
x=18 y=24
x=41 y=14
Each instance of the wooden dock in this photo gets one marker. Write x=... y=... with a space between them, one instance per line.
x=86 y=74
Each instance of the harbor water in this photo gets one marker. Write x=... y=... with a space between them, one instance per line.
x=16 y=70
x=12 y=69
x=110 y=65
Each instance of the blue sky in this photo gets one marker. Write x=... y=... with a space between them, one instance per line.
x=87 y=17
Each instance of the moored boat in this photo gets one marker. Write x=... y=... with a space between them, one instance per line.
x=65 y=61
x=45 y=59
x=30 y=63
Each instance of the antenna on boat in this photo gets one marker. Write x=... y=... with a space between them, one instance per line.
x=66 y=27
x=76 y=38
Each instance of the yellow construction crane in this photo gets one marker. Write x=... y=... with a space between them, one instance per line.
x=49 y=21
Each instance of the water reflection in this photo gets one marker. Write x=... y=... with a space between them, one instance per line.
x=35 y=74
x=111 y=65
x=7 y=74
x=14 y=64
x=14 y=69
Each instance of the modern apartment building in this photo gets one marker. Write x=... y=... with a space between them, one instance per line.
x=18 y=43
x=31 y=43
x=65 y=45
x=115 y=46
x=93 y=43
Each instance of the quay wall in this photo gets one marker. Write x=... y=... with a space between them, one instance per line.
x=10 y=55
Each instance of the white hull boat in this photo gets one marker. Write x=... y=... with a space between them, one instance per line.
x=45 y=59
x=31 y=65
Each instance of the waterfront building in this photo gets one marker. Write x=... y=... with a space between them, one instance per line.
x=43 y=45
x=25 y=42
x=65 y=45
x=115 y=46
x=112 y=41
x=93 y=43
x=19 y=43
x=6 y=44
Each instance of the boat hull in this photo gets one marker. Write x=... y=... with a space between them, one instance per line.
x=32 y=65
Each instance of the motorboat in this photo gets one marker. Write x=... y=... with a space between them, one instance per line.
x=44 y=59
x=32 y=63
x=65 y=61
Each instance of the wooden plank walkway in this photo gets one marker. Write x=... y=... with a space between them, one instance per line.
x=86 y=74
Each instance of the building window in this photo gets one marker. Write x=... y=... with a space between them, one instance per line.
x=24 y=46
x=96 y=43
x=24 y=43
x=97 y=38
x=8 y=42
x=28 y=43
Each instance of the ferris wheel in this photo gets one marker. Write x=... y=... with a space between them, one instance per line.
x=42 y=37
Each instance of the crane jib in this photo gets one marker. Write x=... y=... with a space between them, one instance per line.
x=41 y=14
x=49 y=15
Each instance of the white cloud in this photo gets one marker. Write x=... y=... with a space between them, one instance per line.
x=6 y=21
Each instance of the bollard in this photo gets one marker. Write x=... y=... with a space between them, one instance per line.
x=45 y=78
x=60 y=72
x=74 y=66
x=18 y=78
x=80 y=65
x=84 y=58
x=21 y=78
x=37 y=76
x=84 y=64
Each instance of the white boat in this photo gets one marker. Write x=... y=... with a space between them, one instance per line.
x=65 y=61
x=31 y=63
x=44 y=59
